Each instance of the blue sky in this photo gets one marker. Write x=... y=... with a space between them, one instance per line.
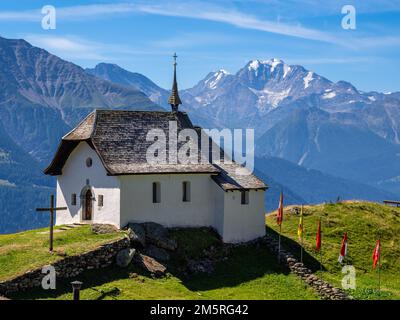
x=142 y=35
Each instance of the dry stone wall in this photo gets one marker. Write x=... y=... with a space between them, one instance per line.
x=324 y=289
x=68 y=267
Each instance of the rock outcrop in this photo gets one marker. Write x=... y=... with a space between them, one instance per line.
x=157 y=235
x=137 y=235
x=124 y=257
x=150 y=265
x=103 y=228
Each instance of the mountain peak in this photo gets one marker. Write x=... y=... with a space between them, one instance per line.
x=271 y=64
x=223 y=71
x=214 y=78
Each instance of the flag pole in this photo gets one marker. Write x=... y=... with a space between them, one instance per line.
x=279 y=242
x=279 y=221
x=302 y=231
x=379 y=266
x=301 y=250
x=345 y=256
x=320 y=249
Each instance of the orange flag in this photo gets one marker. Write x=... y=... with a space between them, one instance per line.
x=377 y=253
x=318 y=241
x=279 y=216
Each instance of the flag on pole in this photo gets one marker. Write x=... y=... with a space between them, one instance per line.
x=279 y=216
x=343 y=248
x=318 y=240
x=300 y=228
x=377 y=252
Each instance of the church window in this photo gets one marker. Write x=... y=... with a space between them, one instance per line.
x=186 y=191
x=73 y=199
x=100 y=200
x=244 y=197
x=156 y=192
x=89 y=162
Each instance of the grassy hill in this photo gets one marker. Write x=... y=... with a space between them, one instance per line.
x=24 y=251
x=248 y=273
x=363 y=221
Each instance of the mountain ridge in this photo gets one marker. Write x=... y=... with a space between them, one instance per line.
x=43 y=96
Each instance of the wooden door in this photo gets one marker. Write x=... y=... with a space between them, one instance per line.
x=88 y=206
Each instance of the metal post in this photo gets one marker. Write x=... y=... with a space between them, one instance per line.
x=76 y=287
x=301 y=250
x=51 y=222
x=379 y=267
x=279 y=244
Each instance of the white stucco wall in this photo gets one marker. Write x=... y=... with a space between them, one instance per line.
x=129 y=199
x=243 y=222
x=137 y=202
x=73 y=179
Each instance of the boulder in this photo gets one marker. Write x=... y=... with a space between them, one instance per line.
x=103 y=228
x=203 y=266
x=137 y=235
x=156 y=234
x=151 y=265
x=124 y=257
x=157 y=253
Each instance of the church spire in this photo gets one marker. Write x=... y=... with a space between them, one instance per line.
x=174 y=99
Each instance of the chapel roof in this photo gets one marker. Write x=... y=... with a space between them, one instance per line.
x=119 y=139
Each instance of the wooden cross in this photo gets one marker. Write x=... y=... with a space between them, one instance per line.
x=51 y=209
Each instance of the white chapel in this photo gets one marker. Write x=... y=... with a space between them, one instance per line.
x=104 y=176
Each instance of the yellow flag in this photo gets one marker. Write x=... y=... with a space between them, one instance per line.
x=300 y=229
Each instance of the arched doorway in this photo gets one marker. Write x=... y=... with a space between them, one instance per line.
x=87 y=208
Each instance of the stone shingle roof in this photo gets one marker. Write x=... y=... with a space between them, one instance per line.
x=119 y=139
x=234 y=177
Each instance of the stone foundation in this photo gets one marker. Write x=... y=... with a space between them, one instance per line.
x=68 y=267
x=324 y=289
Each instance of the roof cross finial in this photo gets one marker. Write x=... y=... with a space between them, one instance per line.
x=174 y=99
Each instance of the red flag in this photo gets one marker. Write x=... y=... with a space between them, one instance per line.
x=279 y=216
x=318 y=241
x=377 y=252
x=343 y=248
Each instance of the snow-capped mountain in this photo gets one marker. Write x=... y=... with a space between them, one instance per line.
x=264 y=92
x=267 y=83
x=303 y=117
x=299 y=116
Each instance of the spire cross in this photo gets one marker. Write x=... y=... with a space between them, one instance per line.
x=174 y=99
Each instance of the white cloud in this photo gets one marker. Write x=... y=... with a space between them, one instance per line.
x=67 y=47
x=233 y=17
x=73 y=48
x=27 y=16
x=185 y=40
x=194 y=10
x=227 y=14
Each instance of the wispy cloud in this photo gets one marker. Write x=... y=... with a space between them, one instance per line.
x=27 y=15
x=68 y=47
x=194 y=39
x=194 y=10
x=224 y=12
x=236 y=18
x=314 y=8
x=71 y=47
